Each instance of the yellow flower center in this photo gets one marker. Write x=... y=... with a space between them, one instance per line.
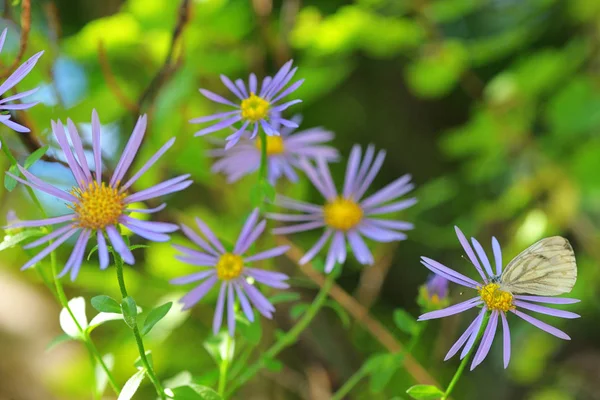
x=99 y=205
x=496 y=299
x=229 y=266
x=343 y=214
x=254 y=108
x=274 y=145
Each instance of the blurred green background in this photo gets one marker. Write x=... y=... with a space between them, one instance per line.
x=492 y=105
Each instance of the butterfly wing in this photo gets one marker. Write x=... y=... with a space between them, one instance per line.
x=546 y=268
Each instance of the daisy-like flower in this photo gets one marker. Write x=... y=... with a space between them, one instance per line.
x=492 y=299
x=12 y=80
x=347 y=216
x=97 y=206
x=283 y=153
x=229 y=269
x=433 y=295
x=254 y=107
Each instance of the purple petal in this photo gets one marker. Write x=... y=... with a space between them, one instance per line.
x=474 y=334
x=131 y=149
x=497 y=256
x=316 y=248
x=3 y=38
x=37 y=183
x=18 y=106
x=183 y=280
x=467 y=247
x=77 y=256
x=230 y=310
x=246 y=307
x=49 y=237
x=340 y=244
x=486 y=342
x=102 y=250
x=297 y=205
x=370 y=176
x=313 y=175
x=260 y=302
x=18 y=96
x=542 y=325
x=147 y=234
x=147 y=210
x=360 y=249
x=379 y=234
x=285 y=106
x=440 y=269
x=461 y=340
x=14 y=126
x=455 y=309
x=97 y=146
x=394 y=190
x=210 y=259
x=506 y=344
x=393 y=207
x=42 y=222
x=298 y=228
x=152 y=226
x=293 y=217
x=242 y=87
x=482 y=256
x=148 y=164
x=549 y=300
x=213 y=117
x=277 y=251
x=195 y=295
x=194 y=237
x=78 y=146
x=61 y=137
x=161 y=189
x=246 y=230
x=218 y=318
x=49 y=249
x=119 y=245
x=351 y=170
x=546 y=310
x=325 y=174
x=218 y=99
x=287 y=91
x=20 y=73
x=391 y=224
x=251 y=238
x=252 y=83
x=208 y=234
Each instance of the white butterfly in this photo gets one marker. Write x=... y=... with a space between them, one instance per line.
x=546 y=268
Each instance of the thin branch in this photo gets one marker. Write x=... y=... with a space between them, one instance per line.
x=361 y=314
x=25 y=28
x=372 y=279
x=111 y=81
x=167 y=69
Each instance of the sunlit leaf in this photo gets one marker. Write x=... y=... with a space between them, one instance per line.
x=132 y=385
x=154 y=316
x=425 y=392
x=68 y=325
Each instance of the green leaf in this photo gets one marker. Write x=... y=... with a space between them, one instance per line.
x=426 y=392
x=154 y=316
x=251 y=331
x=405 y=322
x=194 y=392
x=129 y=309
x=132 y=385
x=68 y=325
x=58 y=340
x=101 y=377
x=340 y=311
x=298 y=309
x=381 y=368
x=9 y=182
x=35 y=156
x=106 y=304
x=13 y=240
x=260 y=192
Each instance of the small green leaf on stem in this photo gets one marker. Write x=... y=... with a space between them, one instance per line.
x=405 y=322
x=154 y=316
x=35 y=156
x=9 y=182
x=58 y=340
x=10 y=241
x=132 y=385
x=194 y=392
x=425 y=392
x=106 y=304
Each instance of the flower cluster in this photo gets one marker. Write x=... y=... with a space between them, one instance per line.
x=348 y=218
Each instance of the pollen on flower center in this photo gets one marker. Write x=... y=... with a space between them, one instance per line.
x=99 y=205
x=275 y=145
x=229 y=266
x=254 y=108
x=343 y=214
x=496 y=299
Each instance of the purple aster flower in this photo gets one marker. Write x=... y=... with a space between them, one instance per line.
x=231 y=269
x=283 y=153
x=254 y=106
x=12 y=80
x=497 y=293
x=98 y=206
x=348 y=216
x=433 y=295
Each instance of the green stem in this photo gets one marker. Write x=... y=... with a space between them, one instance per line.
x=224 y=367
x=262 y=171
x=62 y=298
x=465 y=360
x=136 y=333
x=289 y=338
x=241 y=361
x=363 y=371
